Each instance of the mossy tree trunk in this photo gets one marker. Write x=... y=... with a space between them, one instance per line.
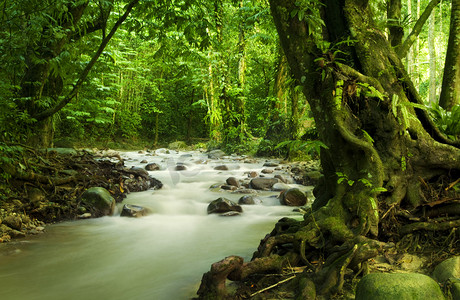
x=450 y=94
x=379 y=147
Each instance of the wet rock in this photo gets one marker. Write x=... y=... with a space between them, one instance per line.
x=271 y=164
x=279 y=186
x=250 y=161
x=216 y=154
x=133 y=211
x=180 y=168
x=138 y=171
x=221 y=168
x=99 y=201
x=447 y=273
x=389 y=286
x=267 y=171
x=253 y=174
x=152 y=167
x=228 y=187
x=233 y=181
x=144 y=161
x=13 y=221
x=249 y=200
x=293 y=197
x=281 y=178
x=223 y=205
x=262 y=183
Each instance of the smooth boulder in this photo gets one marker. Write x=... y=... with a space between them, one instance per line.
x=99 y=201
x=233 y=181
x=133 y=211
x=248 y=200
x=262 y=183
x=279 y=186
x=152 y=167
x=448 y=273
x=223 y=205
x=293 y=197
x=390 y=286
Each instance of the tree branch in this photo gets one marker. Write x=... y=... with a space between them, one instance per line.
x=47 y=113
x=405 y=46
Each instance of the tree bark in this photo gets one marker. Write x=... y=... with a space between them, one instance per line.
x=395 y=27
x=432 y=54
x=450 y=94
x=378 y=151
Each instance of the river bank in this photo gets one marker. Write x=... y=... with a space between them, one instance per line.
x=162 y=255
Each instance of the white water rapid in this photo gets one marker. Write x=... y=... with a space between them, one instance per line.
x=159 y=256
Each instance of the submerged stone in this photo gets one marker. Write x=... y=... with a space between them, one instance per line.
x=133 y=211
x=223 y=205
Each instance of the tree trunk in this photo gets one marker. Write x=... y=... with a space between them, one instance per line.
x=432 y=53
x=394 y=22
x=378 y=151
x=450 y=94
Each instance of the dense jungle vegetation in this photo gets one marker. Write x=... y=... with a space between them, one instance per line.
x=370 y=87
x=102 y=72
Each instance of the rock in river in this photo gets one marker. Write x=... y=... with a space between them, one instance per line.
x=152 y=167
x=223 y=205
x=99 y=201
x=233 y=181
x=133 y=211
x=262 y=183
x=293 y=197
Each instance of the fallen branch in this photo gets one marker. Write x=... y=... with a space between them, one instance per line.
x=429 y=226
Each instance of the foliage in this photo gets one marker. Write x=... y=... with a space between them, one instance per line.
x=312 y=148
x=447 y=121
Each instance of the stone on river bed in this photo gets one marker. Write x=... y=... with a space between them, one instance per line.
x=271 y=164
x=262 y=183
x=392 y=286
x=249 y=200
x=233 y=181
x=152 y=167
x=133 y=211
x=223 y=205
x=293 y=197
x=99 y=201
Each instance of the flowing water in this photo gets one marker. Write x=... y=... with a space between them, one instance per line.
x=159 y=256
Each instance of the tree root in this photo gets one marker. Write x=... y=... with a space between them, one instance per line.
x=430 y=226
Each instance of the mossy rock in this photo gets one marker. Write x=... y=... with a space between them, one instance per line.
x=390 y=286
x=99 y=201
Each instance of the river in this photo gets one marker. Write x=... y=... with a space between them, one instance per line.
x=159 y=256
